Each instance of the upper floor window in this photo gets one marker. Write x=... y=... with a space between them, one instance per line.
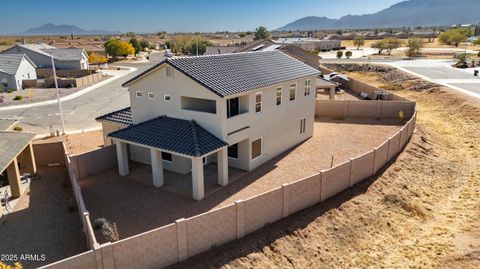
x=279 y=96
x=151 y=95
x=258 y=102
x=169 y=71
x=139 y=94
x=307 y=87
x=293 y=91
x=167 y=98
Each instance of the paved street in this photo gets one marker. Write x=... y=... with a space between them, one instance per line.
x=80 y=112
x=441 y=72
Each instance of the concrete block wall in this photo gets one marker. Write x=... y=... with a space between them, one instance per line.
x=95 y=161
x=365 y=109
x=362 y=167
x=176 y=242
x=49 y=153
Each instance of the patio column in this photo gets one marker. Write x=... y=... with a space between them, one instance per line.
x=122 y=157
x=29 y=159
x=222 y=165
x=14 y=179
x=197 y=178
x=157 y=167
x=332 y=93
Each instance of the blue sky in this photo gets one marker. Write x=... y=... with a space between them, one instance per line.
x=185 y=15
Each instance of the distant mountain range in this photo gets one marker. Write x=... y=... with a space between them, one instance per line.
x=52 y=29
x=404 y=14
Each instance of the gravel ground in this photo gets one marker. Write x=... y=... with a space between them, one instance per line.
x=78 y=143
x=130 y=204
x=41 y=223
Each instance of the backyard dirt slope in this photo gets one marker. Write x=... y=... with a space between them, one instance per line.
x=422 y=211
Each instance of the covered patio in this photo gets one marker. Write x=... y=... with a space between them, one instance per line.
x=16 y=159
x=178 y=137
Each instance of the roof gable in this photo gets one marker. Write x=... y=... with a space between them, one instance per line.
x=229 y=74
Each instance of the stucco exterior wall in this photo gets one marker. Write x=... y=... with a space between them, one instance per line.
x=335 y=180
x=362 y=167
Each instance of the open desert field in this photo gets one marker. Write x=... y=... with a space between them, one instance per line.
x=421 y=211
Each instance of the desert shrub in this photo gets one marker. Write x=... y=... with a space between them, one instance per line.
x=339 y=54
x=18 y=97
x=348 y=54
x=108 y=230
x=10 y=90
x=18 y=128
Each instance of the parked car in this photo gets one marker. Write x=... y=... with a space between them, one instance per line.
x=168 y=54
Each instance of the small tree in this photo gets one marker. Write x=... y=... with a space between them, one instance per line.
x=112 y=48
x=339 y=54
x=453 y=37
x=261 y=33
x=348 y=54
x=391 y=43
x=359 y=41
x=144 y=44
x=414 y=44
x=380 y=45
x=136 y=45
x=95 y=58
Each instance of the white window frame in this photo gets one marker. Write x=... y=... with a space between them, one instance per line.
x=307 y=87
x=167 y=96
x=279 y=90
x=139 y=94
x=261 y=102
x=261 y=148
x=169 y=71
x=290 y=92
x=303 y=123
x=151 y=95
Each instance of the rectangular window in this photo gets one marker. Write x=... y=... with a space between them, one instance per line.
x=302 y=125
x=151 y=95
x=233 y=107
x=307 y=87
x=279 y=96
x=233 y=151
x=293 y=91
x=138 y=94
x=258 y=102
x=166 y=156
x=166 y=98
x=169 y=71
x=257 y=148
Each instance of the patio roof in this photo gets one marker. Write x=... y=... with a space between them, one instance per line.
x=122 y=117
x=171 y=135
x=11 y=144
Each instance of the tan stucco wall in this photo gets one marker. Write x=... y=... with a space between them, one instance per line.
x=279 y=126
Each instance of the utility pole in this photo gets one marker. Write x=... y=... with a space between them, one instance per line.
x=58 y=95
x=196 y=42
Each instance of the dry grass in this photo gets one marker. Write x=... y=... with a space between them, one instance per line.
x=423 y=211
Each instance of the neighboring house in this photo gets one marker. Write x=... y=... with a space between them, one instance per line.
x=222 y=49
x=238 y=110
x=14 y=68
x=291 y=49
x=41 y=54
x=311 y=43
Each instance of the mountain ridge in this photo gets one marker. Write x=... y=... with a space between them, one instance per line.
x=63 y=29
x=408 y=13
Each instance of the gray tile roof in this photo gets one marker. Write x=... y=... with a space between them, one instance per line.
x=9 y=63
x=122 y=117
x=71 y=54
x=11 y=144
x=171 y=134
x=228 y=74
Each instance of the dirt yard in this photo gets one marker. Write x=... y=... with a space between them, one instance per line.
x=129 y=203
x=422 y=211
x=79 y=143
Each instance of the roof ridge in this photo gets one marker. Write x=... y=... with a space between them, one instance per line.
x=214 y=55
x=196 y=147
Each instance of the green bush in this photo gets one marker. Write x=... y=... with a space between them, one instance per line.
x=18 y=98
x=18 y=128
x=339 y=54
x=10 y=90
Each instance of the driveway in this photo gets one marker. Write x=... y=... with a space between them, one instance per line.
x=80 y=112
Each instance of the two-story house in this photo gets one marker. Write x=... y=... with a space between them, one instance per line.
x=236 y=110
